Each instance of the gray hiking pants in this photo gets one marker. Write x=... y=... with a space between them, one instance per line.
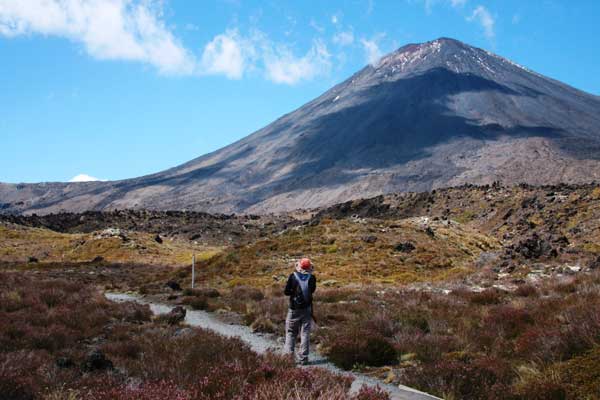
x=298 y=321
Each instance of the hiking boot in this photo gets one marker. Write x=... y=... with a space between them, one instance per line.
x=302 y=362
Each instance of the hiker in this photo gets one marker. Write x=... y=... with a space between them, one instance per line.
x=300 y=286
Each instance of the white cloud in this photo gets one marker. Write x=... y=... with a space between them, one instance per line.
x=343 y=38
x=334 y=19
x=131 y=30
x=282 y=66
x=482 y=16
x=458 y=3
x=84 y=178
x=372 y=51
x=429 y=4
x=232 y=54
x=227 y=54
x=135 y=30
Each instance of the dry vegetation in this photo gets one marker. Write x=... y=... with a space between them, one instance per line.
x=62 y=340
x=536 y=342
x=22 y=244
x=357 y=250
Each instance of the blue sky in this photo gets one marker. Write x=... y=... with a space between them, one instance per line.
x=121 y=88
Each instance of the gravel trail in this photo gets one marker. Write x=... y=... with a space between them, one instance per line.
x=261 y=343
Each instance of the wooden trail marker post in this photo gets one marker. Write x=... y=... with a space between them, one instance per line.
x=193 y=269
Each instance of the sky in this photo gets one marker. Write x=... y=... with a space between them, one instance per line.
x=114 y=89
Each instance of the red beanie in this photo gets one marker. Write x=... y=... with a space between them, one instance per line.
x=305 y=264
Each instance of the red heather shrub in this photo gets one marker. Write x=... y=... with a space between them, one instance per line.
x=415 y=320
x=293 y=383
x=133 y=312
x=371 y=393
x=463 y=377
x=22 y=374
x=427 y=347
x=526 y=291
x=52 y=296
x=488 y=296
x=355 y=347
x=153 y=361
x=562 y=334
x=507 y=321
x=125 y=349
x=187 y=356
x=53 y=338
x=540 y=343
x=382 y=324
x=161 y=390
x=582 y=331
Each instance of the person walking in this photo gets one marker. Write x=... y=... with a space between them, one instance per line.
x=300 y=286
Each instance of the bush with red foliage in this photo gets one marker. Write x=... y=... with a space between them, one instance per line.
x=51 y=327
x=354 y=347
x=465 y=377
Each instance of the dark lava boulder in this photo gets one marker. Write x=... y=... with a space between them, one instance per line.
x=369 y=239
x=535 y=247
x=595 y=264
x=173 y=285
x=405 y=247
x=176 y=315
x=97 y=361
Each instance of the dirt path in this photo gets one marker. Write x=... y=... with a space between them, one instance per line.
x=261 y=343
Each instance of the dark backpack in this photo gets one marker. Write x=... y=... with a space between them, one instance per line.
x=299 y=298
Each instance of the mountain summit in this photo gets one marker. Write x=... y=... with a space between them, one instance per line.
x=428 y=115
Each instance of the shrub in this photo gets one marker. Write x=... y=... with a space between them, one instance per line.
x=203 y=292
x=462 y=376
x=487 y=296
x=20 y=377
x=52 y=296
x=371 y=393
x=333 y=295
x=415 y=320
x=153 y=361
x=354 y=348
x=245 y=293
x=507 y=321
x=534 y=384
x=127 y=349
x=526 y=291
x=426 y=347
x=582 y=374
x=146 y=391
x=197 y=302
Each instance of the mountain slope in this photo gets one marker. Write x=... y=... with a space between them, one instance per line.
x=431 y=115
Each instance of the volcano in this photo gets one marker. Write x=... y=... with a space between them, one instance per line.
x=428 y=115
